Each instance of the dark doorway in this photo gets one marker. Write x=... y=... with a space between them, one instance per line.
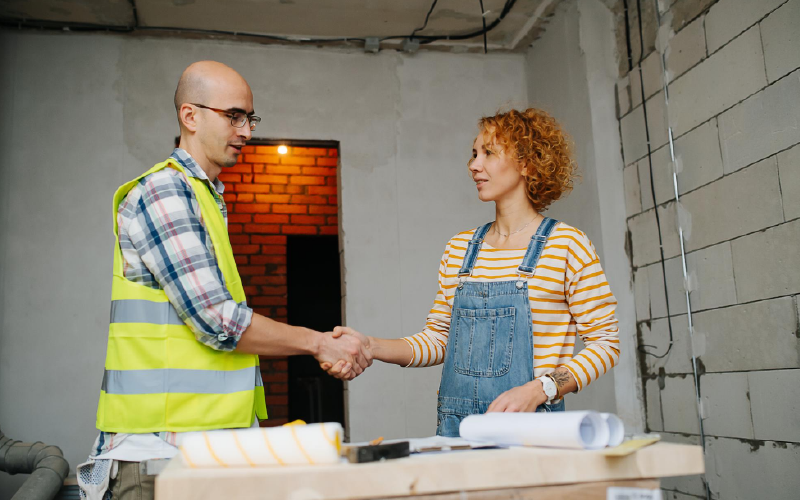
x=314 y=301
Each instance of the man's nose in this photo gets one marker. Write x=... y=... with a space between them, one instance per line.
x=245 y=132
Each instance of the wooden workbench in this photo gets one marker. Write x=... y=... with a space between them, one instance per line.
x=475 y=474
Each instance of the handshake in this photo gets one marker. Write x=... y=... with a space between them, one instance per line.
x=344 y=353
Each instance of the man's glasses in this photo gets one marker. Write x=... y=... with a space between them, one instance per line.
x=238 y=119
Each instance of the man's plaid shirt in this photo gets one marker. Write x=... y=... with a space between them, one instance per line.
x=165 y=245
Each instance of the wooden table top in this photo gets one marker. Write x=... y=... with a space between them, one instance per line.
x=429 y=473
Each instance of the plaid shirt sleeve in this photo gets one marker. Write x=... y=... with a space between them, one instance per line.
x=162 y=230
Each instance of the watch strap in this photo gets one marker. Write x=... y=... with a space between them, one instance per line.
x=558 y=390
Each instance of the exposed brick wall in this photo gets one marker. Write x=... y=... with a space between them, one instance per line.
x=270 y=196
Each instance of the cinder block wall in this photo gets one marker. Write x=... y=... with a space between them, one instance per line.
x=269 y=196
x=734 y=107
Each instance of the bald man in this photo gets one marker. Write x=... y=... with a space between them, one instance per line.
x=183 y=345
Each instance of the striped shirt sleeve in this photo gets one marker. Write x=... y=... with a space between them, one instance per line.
x=592 y=306
x=429 y=345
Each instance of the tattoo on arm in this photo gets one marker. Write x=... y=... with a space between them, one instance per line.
x=562 y=378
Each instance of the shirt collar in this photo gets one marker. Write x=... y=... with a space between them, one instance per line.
x=193 y=169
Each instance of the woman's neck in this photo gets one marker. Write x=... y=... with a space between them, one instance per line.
x=512 y=215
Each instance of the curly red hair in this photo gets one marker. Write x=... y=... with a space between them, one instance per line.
x=536 y=140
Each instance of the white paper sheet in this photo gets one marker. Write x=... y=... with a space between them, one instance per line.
x=616 y=429
x=569 y=429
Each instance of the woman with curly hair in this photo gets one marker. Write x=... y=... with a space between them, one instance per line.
x=514 y=293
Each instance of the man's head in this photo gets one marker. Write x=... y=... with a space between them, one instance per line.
x=209 y=134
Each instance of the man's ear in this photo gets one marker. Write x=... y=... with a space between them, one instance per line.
x=188 y=117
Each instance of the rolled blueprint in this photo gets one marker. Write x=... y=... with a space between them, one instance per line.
x=569 y=429
x=616 y=429
x=310 y=444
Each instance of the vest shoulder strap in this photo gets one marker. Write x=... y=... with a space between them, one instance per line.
x=124 y=189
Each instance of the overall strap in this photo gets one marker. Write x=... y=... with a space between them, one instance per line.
x=535 y=247
x=473 y=247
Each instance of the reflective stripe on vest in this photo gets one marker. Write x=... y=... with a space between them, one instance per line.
x=176 y=380
x=158 y=377
x=144 y=311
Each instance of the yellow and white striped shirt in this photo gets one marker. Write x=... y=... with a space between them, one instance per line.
x=568 y=293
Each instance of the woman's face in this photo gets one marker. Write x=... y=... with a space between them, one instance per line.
x=496 y=174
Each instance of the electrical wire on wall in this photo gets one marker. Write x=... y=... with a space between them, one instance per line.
x=425 y=39
x=661 y=50
x=644 y=348
x=422 y=39
x=428 y=16
x=483 y=18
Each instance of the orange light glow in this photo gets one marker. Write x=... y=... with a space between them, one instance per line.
x=283 y=149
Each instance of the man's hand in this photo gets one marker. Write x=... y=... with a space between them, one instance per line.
x=343 y=356
x=340 y=369
x=525 y=398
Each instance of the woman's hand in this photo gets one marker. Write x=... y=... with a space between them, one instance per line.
x=525 y=398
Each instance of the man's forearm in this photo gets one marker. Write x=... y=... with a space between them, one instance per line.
x=267 y=337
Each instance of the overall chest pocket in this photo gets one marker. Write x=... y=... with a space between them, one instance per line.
x=483 y=340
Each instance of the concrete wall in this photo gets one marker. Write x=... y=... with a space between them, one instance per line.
x=571 y=72
x=734 y=105
x=84 y=113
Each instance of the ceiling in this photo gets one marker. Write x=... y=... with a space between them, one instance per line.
x=295 y=19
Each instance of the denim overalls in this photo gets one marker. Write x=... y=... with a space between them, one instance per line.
x=490 y=332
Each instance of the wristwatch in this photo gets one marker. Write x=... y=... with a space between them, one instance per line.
x=549 y=386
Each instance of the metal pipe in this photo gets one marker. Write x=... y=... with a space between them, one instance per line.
x=46 y=465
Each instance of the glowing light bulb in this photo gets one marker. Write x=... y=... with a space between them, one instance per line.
x=283 y=149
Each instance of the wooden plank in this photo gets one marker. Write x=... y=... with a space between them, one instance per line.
x=430 y=474
x=580 y=491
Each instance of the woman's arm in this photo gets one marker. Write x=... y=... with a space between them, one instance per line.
x=395 y=351
x=527 y=397
x=564 y=380
x=426 y=348
x=593 y=307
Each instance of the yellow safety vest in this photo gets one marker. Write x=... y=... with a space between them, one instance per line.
x=158 y=377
